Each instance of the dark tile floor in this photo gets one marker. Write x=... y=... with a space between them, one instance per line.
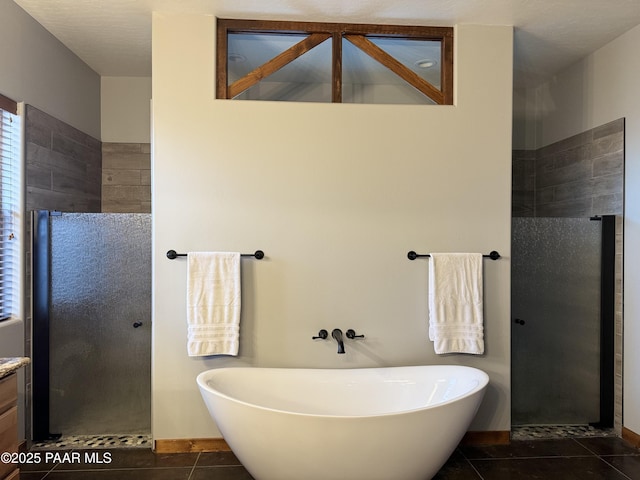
x=556 y=459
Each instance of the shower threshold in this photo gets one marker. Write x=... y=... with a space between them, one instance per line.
x=539 y=432
x=68 y=442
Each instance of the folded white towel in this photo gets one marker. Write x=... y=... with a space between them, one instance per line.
x=213 y=303
x=455 y=303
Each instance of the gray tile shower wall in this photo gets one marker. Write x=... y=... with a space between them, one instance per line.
x=64 y=165
x=126 y=177
x=579 y=176
x=582 y=175
x=523 y=183
x=70 y=171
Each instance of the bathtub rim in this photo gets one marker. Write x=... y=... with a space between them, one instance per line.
x=483 y=383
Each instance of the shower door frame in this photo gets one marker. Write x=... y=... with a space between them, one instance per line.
x=607 y=322
x=40 y=329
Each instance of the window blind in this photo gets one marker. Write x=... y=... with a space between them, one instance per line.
x=10 y=219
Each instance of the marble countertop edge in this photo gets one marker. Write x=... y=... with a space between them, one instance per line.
x=9 y=365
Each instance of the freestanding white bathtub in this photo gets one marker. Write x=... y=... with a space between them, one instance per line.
x=395 y=423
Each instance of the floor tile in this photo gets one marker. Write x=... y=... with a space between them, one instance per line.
x=127 y=458
x=573 y=468
x=608 y=446
x=457 y=468
x=212 y=459
x=38 y=462
x=527 y=448
x=117 y=474
x=590 y=458
x=32 y=475
x=221 y=473
x=627 y=464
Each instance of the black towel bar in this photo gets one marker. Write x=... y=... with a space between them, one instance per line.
x=413 y=255
x=259 y=254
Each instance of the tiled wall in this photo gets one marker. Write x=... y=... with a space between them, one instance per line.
x=70 y=171
x=523 y=183
x=580 y=176
x=126 y=177
x=63 y=169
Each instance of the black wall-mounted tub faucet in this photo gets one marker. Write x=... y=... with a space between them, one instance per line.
x=337 y=335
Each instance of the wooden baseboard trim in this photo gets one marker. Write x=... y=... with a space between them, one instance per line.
x=495 y=437
x=189 y=445
x=630 y=436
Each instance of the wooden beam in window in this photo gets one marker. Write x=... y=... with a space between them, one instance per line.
x=442 y=34
x=222 y=71
x=270 y=26
x=398 y=68
x=336 y=69
x=276 y=63
x=446 y=74
x=8 y=105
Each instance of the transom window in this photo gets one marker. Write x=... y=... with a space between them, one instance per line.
x=334 y=62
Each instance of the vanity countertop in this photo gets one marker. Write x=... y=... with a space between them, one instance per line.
x=8 y=365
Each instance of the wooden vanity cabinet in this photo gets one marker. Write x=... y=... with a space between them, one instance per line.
x=9 y=424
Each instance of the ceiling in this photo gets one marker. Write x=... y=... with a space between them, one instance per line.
x=114 y=36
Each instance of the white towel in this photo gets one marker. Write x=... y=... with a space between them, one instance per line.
x=213 y=303
x=455 y=303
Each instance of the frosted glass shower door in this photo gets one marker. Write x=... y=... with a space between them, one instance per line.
x=556 y=285
x=100 y=332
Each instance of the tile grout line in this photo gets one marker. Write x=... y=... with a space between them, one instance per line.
x=115 y=469
x=615 y=468
x=193 y=468
x=600 y=457
x=577 y=441
x=536 y=457
x=471 y=464
x=474 y=469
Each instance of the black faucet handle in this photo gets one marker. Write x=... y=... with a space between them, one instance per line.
x=323 y=334
x=351 y=333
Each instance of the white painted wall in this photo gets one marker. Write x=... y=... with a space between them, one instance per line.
x=601 y=88
x=39 y=70
x=125 y=112
x=336 y=195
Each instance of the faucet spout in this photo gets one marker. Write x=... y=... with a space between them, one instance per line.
x=337 y=335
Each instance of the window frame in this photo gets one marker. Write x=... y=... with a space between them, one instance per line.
x=11 y=223
x=318 y=33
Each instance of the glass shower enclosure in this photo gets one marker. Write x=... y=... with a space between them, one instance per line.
x=91 y=324
x=562 y=314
